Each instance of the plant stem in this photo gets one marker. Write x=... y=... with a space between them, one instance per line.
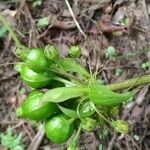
x=64 y=81
x=114 y=86
x=99 y=113
x=130 y=83
x=10 y=29
x=70 y=76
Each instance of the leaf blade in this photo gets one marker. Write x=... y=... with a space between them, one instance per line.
x=69 y=64
x=68 y=112
x=61 y=94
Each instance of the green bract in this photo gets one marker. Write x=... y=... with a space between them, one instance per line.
x=32 y=109
x=52 y=53
x=101 y=95
x=85 y=110
x=88 y=124
x=71 y=65
x=33 y=79
x=37 y=61
x=121 y=126
x=59 y=129
x=75 y=51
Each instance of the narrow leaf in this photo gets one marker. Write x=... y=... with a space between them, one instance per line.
x=61 y=94
x=69 y=64
x=85 y=110
x=100 y=94
x=68 y=112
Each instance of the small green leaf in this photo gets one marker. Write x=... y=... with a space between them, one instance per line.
x=145 y=65
x=125 y=21
x=75 y=51
x=103 y=134
x=11 y=141
x=3 y=31
x=100 y=147
x=136 y=137
x=22 y=90
x=114 y=110
x=85 y=110
x=37 y=3
x=43 y=22
x=71 y=65
x=61 y=94
x=110 y=53
x=118 y=72
x=68 y=112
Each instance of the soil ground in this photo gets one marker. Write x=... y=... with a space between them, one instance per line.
x=97 y=20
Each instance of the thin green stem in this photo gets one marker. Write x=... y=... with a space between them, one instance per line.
x=70 y=76
x=64 y=81
x=99 y=113
x=10 y=29
x=73 y=144
x=80 y=102
x=130 y=83
x=77 y=134
x=71 y=120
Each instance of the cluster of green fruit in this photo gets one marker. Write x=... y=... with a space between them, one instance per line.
x=73 y=97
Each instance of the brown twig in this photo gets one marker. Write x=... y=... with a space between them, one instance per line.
x=110 y=145
x=74 y=18
x=8 y=77
x=37 y=139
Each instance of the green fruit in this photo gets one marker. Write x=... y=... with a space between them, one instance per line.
x=58 y=128
x=33 y=79
x=37 y=61
x=32 y=109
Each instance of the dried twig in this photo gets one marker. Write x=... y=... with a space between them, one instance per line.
x=145 y=11
x=73 y=16
x=11 y=76
x=110 y=145
x=37 y=140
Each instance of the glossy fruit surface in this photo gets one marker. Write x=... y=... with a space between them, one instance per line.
x=33 y=79
x=58 y=128
x=37 y=61
x=32 y=109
